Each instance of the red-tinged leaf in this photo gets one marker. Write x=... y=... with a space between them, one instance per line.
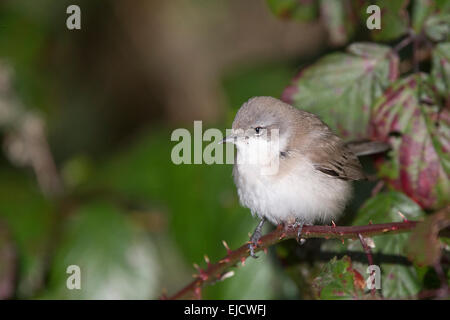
x=424 y=245
x=340 y=20
x=437 y=27
x=339 y=280
x=432 y=17
x=301 y=10
x=342 y=87
x=419 y=134
x=398 y=280
x=358 y=280
x=441 y=69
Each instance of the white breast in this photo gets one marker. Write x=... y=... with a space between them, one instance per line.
x=301 y=193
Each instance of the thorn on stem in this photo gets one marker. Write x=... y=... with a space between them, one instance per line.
x=217 y=272
x=226 y=275
x=225 y=260
x=402 y=216
x=370 y=243
x=226 y=246
x=201 y=273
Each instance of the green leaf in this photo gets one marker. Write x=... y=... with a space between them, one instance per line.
x=294 y=9
x=441 y=69
x=394 y=20
x=339 y=280
x=424 y=246
x=432 y=17
x=342 y=87
x=418 y=132
x=339 y=19
x=421 y=10
x=398 y=279
x=254 y=280
x=29 y=218
x=437 y=27
x=384 y=208
x=116 y=260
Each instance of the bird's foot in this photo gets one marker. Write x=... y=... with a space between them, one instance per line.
x=254 y=239
x=254 y=243
x=299 y=226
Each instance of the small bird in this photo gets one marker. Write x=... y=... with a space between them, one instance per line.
x=290 y=168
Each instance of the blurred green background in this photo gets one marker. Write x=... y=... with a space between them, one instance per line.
x=86 y=116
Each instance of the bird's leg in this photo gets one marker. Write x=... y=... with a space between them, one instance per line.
x=299 y=223
x=255 y=238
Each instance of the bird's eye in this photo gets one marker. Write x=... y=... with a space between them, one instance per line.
x=258 y=130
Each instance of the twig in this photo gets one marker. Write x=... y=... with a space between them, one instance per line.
x=399 y=46
x=218 y=271
x=368 y=252
x=378 y=187
x=366 y=248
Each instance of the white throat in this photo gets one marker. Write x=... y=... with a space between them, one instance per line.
x=259 y=155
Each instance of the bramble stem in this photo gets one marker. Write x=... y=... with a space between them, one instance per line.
x=218 y=271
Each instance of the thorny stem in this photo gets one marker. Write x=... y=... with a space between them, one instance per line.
x=368 y=252
x=218 y=271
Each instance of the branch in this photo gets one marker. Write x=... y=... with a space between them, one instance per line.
x=218 y=271
x=368 y=252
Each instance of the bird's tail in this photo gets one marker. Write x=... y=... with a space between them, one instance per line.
x=367 y=147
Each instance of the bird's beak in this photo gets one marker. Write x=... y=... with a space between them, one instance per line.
x=229 y=139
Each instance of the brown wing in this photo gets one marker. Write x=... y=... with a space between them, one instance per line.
x=366 y=147
x=347 y=167
x=333 y=158
x=311 y=137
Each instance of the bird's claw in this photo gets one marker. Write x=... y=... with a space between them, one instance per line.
x=254 y=239
x=299 y=232
x=254 y=244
